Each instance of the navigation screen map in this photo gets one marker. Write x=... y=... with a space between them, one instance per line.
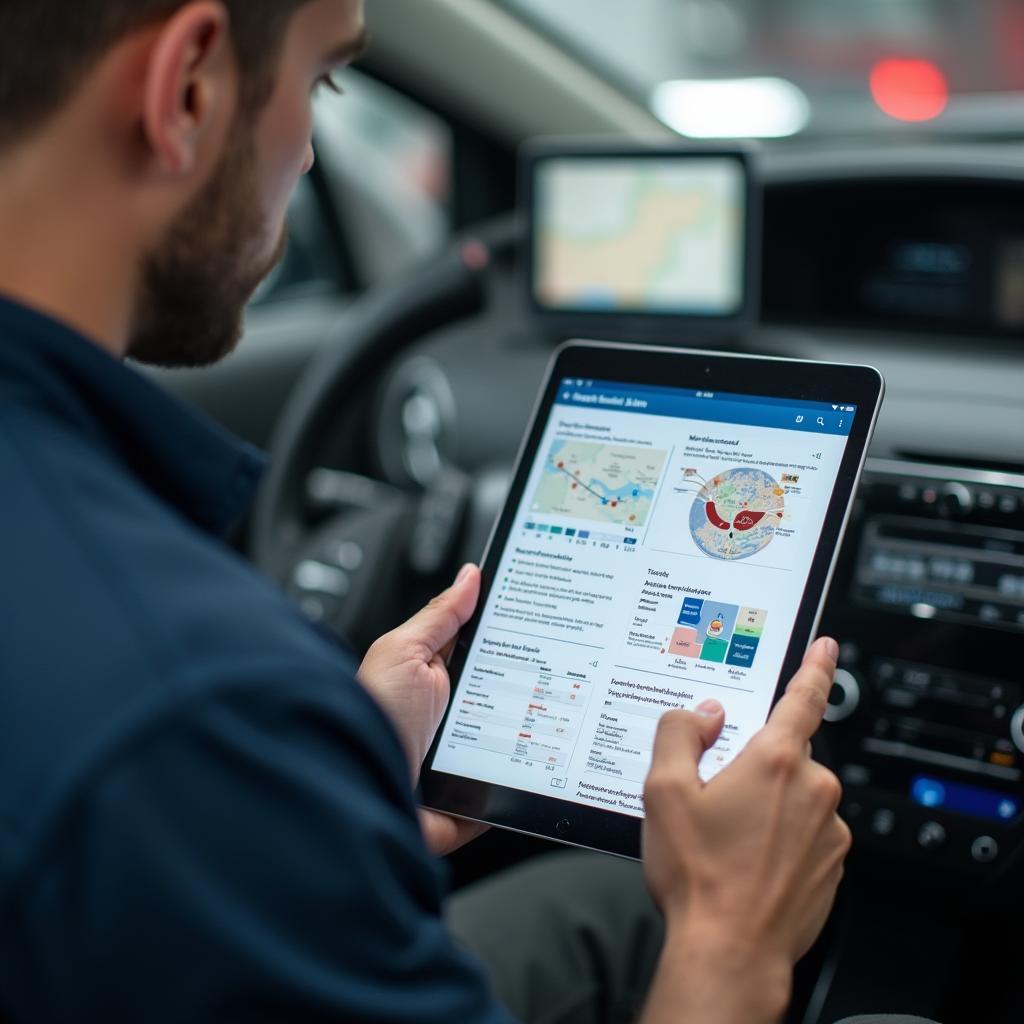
x=657 y=558
x=640 y=235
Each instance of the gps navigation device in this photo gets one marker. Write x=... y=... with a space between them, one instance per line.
x=669 y=536
x=644 y=238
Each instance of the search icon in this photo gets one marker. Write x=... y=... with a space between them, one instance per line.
x=821 y=421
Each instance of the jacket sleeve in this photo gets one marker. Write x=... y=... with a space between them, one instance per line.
x=254 y=858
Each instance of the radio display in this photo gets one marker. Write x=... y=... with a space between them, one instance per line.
x=963 y=799
x=933 y=570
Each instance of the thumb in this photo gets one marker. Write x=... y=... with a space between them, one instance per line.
x=439 y=623
x=684 y=736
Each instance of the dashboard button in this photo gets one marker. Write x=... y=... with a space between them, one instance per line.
x=885 y=672
x=855 y=775
x=349 y=556
x=984 y=849
x=989 y=613
x=931 y=835
x=844 y=698
x=1017 y=728
x=313 y=575
x=314 y=608
x=956 y=500
x=849 y=653
x=883 y=822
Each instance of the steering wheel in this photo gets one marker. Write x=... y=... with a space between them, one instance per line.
x=344 y=544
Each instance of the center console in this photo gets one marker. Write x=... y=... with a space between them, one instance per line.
x=926 y=719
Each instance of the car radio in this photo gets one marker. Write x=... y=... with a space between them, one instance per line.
x=927 y=714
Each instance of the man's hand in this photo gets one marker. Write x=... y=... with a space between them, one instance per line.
x=745 y=867
x=406 y=672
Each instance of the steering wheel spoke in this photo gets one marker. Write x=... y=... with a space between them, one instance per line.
x=353 y=551
x=345 y=572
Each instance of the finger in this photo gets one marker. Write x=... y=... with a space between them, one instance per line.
x=683 y=737
x=445 y=654
x=444 y=834
x=827 y=786
x=437 y=625
x=799 y=713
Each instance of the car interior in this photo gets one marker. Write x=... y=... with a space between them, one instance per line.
x=391 y=364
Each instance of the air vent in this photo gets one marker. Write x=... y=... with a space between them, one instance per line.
x=963 y=461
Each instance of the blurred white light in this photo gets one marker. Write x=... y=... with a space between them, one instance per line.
x=735 y=108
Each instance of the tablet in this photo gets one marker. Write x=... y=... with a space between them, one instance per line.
x=669 y=536
x=643 y=237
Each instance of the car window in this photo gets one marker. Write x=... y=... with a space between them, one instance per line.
x=378 y=201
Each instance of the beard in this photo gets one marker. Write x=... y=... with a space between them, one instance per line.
x=198 y=281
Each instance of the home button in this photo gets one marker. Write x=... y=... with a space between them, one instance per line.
x=563 y=827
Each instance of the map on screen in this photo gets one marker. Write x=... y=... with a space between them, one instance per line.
x=628 y=234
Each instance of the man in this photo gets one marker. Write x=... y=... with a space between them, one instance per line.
x=205 y=816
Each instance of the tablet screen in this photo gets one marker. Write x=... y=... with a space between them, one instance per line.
x=647 y=234
x=658 y=557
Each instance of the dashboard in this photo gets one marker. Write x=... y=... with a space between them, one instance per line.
x=913 y=262
x=943 y=257
x=927 y=714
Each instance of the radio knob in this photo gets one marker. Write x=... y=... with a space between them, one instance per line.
x=956 y=500
x=1017 y=728
x=845 y=696
x=931 y=835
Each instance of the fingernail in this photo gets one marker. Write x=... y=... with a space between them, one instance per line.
x=832 y=647
x=464 y=572
x=709 y=708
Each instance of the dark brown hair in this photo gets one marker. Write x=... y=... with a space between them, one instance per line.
x=48 y=46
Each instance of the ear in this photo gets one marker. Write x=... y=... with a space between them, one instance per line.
x=191 y=87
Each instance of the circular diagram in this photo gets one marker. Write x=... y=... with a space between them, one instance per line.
x=735 y=513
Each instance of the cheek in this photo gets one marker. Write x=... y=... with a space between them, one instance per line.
x=284 y=151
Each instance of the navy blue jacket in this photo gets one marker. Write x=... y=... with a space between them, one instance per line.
x=203 y=815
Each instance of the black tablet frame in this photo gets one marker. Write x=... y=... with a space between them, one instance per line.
x=654 y=326
x=862 y=386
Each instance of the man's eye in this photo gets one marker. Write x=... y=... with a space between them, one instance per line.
x=330 y=83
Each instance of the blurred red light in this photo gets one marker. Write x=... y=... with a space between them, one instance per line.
x=909 y=90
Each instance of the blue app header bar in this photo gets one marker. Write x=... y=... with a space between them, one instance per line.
x=709 y=406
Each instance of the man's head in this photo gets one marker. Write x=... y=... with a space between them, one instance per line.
x=198 y=115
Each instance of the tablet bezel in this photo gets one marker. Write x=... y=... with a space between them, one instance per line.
x=592 y=827
x=646 y=325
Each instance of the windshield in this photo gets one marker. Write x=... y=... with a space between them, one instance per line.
x=778 y=68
